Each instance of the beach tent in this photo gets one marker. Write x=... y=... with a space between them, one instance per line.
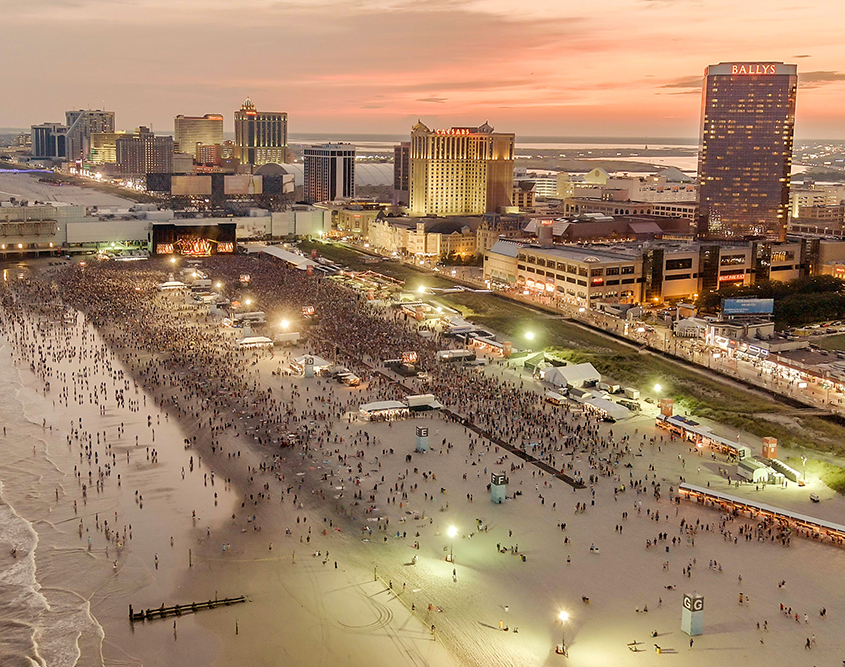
x=577 y=375
x=320 y=364
x=171 y=285
x=382 y=406
x=254 y=341
x=607 y=408
x=388 y=409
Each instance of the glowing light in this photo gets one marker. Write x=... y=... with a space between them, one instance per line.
x=657 y=387
x=529 y=335
x=421 y=289
x=172 y=260
x=563 y=616
x=452 y=531
x=284 y=324
x=248 y=302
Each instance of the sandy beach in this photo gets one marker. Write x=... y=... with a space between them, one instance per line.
x=322 y=536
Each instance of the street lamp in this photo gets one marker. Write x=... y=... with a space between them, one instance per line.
x=657 y=388
x=452 y=532
x=529 y=335
x=218 y=284
x=284 y=324
x=563 y=616
x=248 y=302
x=421 y=289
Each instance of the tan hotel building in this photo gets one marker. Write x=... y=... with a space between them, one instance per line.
x=460 y=171
x=190 y=132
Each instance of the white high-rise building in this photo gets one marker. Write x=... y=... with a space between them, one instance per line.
x=329 y=172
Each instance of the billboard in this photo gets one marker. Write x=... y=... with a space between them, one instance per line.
x=190 y=185
x=242 y=184
x=748 y=306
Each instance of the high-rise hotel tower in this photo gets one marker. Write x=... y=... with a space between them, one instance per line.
x=460 y=170
x=190 y=132
x=260 y=136
x=744 y=165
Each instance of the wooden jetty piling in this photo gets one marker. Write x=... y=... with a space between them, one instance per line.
x=179 y=609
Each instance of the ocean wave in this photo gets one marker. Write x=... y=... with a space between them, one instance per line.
x=21 y=602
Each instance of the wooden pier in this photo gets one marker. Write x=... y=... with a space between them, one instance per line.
x=179 y=609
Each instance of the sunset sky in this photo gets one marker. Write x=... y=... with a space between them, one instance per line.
x=542 y=67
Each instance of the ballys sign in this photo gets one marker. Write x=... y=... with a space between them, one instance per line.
x=754 y=68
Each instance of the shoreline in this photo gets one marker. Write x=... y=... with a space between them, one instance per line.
x=309 y=612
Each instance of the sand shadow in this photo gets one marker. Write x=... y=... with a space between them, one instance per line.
x=491 y=627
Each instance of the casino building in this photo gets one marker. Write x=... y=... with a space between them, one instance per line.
x=460 y=171
x=654 y=272
x=261 y=137
x=745 y=160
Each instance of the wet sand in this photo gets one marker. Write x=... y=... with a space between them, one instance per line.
x=308 y=612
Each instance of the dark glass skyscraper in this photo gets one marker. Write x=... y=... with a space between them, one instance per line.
x=744 y=165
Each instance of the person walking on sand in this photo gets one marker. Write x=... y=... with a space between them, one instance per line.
x=691 y=641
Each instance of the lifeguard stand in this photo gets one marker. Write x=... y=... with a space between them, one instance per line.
x=308 y=367
x=498 y=487
x=422 y=439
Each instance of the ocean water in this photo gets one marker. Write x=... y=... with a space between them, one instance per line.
x=39 y=625
x=74 y=459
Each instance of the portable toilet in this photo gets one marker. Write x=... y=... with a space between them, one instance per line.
x=770 y=447
x=498 y=487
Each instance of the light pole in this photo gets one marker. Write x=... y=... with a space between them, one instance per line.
x=452 y=532
x=563 y=616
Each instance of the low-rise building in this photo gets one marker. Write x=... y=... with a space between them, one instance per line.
x=651 y=272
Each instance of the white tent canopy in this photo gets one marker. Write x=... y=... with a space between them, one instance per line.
x=171 y=285
x=576 y=375
x=382 y=406
x=255 y=341
x=608 y=408
x=318 y=362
